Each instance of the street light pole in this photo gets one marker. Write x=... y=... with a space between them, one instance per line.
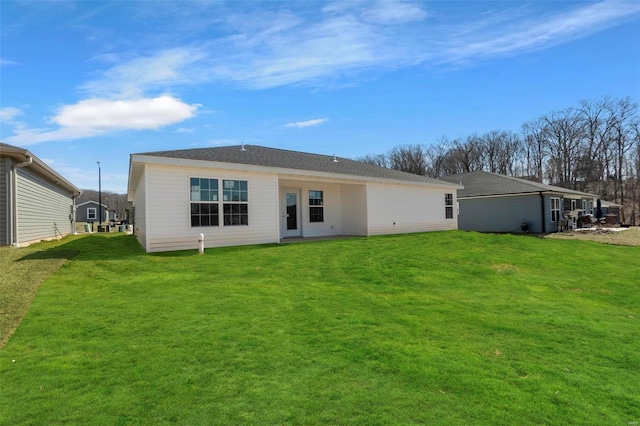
x=99 y=192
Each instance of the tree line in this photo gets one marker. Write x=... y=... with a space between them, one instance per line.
x=593 y=147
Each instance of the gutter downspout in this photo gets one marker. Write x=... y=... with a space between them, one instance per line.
x=73 y=218
x=15 y=168
x=544 y=224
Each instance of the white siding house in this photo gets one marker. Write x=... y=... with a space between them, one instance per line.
x=255 y=195
x=36 y=203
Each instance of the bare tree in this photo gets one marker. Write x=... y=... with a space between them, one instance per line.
x=624 y=112
x=564 y=132
x=502 y=151
x=380 y=160
x=594 y=147
x=535 y=144
x=408 y=158
x=435 y=156
x=465 y=155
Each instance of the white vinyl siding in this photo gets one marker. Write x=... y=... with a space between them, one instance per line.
x=162 y=201
x=168 y=225
x=43 y=208
x=395 y=209
x=140 y=212
x=354 y=210
x=5 y=182
x=332 y=199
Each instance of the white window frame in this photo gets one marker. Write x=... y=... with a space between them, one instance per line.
x=448 y=205
x=316 y=206
x=210 y=202
x=555 y=208
x=224 y=202
x=92 y=211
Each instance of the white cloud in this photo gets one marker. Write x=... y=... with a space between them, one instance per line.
x=318 y=43
x=137 y=114
x=512 y=32
x=394 y=12
x=8 y=114
x=6 y=63
x=134 y=77
x=305 y=43
x=94 y=117
x=354 y=37
x=308 y=123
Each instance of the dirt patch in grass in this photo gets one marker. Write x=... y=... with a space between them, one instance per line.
x=503 y=267
x=626 y=237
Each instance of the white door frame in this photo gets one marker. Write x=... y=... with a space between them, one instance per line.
x=285 y=232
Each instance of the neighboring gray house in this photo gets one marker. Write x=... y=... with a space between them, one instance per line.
x=36 y=203
x=491 y=202
x=89 y=212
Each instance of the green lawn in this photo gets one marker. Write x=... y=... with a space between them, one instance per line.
x=446 y=328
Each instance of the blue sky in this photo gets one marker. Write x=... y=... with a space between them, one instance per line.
x=96 y=81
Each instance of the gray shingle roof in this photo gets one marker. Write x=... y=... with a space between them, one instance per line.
x=481 y=183
x=281 y=158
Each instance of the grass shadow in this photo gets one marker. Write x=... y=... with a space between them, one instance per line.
x=94 y=247
x=50 y=254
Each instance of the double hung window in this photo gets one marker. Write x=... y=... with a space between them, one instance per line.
x=448 y=206
x=235 y=197
x=204 y=202
x=555 y=209
x=316 y=206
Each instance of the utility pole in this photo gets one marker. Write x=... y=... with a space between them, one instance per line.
x=99 y=192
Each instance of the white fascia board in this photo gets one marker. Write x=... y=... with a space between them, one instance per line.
x=521 y=194
x=41 y=168
x=570 y=195
x=518 y=194
x=283 y=173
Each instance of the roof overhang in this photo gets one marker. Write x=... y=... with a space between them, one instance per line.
x=138 y=161
x=575 y=195
x=40 y=167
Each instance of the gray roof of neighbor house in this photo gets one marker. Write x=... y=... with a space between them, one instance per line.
x=281 y=158
x=93 y=202
x=38 y=166
x=478 y=184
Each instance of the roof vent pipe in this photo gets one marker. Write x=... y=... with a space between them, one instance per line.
x=242 y=148
x=335 y=160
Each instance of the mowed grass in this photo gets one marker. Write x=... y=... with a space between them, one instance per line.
x=438 y=328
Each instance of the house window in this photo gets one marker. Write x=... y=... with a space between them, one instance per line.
x=91 y=213
x=555 y=209
x=204 y=202
x=235 y=196
x=448 y=206
x=316 y=206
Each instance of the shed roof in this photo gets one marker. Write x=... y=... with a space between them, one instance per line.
x=286 y=159
x=480 y=183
